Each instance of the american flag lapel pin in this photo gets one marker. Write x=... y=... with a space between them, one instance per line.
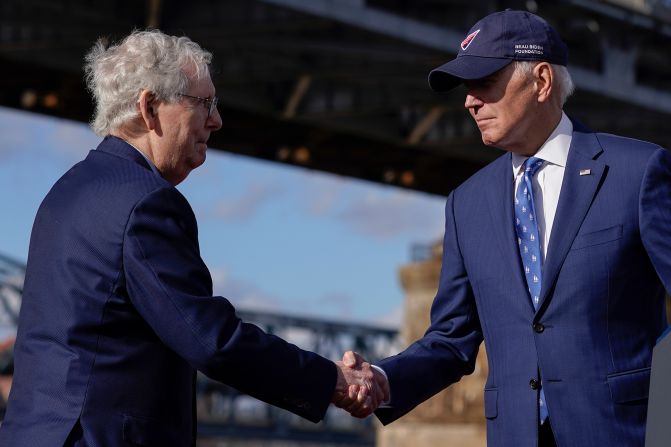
x=585 y=171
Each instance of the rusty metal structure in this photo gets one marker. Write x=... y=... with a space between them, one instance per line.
x=340 y=85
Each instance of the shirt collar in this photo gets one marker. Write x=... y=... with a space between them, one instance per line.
x=555 y=149
x=151 y=163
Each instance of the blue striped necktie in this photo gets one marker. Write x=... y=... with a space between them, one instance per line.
x=528 y=240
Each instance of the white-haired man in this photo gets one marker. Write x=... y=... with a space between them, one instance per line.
x=118 y=312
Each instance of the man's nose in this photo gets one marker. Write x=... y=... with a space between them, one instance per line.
x=214 y=122
x=472 y=101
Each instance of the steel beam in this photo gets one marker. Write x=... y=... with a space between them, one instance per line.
x=445 y=39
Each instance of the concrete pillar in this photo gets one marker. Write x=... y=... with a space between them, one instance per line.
x=455 y=416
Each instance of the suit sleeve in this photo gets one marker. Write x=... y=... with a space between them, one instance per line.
x=448 y=349
x=171 y=288
x=655 y=214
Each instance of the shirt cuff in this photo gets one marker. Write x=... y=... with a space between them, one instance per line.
x=384 y=404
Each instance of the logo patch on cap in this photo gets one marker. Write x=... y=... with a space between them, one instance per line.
x=467 y=41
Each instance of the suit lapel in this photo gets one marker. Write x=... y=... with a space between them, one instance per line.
x=500 y=201
x=576 y=197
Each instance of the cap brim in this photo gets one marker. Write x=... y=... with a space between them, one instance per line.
x=451 y=74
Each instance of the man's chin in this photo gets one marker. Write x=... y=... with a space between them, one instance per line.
x=199 y=158
x=489 y=142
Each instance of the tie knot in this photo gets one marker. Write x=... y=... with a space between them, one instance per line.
x=532 y=165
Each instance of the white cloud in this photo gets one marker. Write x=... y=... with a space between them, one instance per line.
x=245 y=206
x=323 y=192
x=74 y=139
x=392 y=319
x=16 y=128
x=243 y=294
x=246 y=295
x=378 y=211
x=338 y=305
x=384 y=215
x=22 y=131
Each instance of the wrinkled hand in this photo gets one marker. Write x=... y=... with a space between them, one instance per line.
x=360 y=388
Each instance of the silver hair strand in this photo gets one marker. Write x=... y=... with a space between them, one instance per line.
x=152 y=60
x=563 y=77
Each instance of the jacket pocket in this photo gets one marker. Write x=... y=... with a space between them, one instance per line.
x=629 y=386
x=491 y=403
x=152 y=432
x=597 y=237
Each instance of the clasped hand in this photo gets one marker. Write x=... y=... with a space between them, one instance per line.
x=360 y=389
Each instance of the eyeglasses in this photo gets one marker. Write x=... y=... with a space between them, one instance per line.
x=209 y=103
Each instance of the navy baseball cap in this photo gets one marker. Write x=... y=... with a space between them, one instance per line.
x=497 y=40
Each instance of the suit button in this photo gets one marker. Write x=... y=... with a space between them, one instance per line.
x=539 y=327
x=534 y=384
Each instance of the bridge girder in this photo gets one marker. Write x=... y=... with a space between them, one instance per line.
x=340 y=86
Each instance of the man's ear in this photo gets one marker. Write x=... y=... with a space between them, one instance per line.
x=147 y=105
x=544 y=79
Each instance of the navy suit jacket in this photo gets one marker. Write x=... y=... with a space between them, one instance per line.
x=118 y=315
x=602 y=300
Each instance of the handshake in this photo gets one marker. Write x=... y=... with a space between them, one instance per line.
x=360 y=388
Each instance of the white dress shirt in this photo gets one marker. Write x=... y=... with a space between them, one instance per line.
x=548 y=180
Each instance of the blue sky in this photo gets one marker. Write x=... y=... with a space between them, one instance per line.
x=275 y=237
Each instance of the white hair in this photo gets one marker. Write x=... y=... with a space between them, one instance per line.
x=562 y=77
x=152 y=60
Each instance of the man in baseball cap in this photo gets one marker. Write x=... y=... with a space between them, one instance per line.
x=557 y=255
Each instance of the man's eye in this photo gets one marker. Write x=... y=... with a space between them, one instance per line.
x=480 y=83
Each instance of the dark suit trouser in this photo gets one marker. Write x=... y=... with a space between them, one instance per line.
x=545 y=436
